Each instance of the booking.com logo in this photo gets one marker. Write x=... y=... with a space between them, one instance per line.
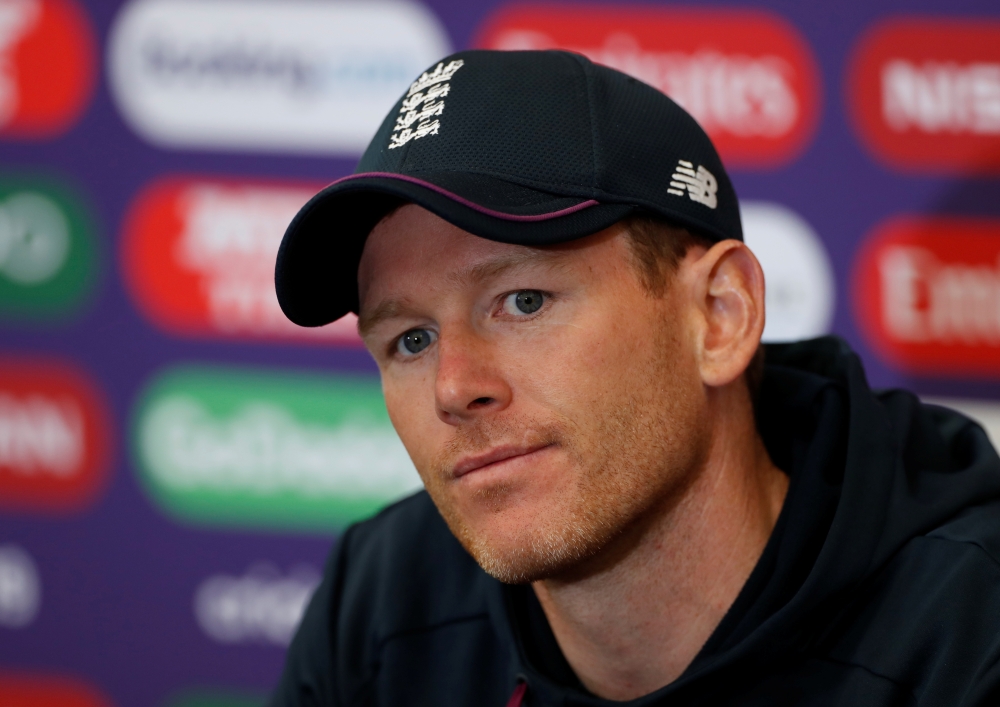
x=266 y=75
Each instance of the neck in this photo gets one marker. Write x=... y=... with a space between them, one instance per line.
x=635 y=624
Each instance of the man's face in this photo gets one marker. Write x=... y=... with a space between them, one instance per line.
x=549 y=402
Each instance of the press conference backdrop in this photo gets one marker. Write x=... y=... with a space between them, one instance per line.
x=176 y=459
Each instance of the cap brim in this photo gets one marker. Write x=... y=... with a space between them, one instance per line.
x=316 y=270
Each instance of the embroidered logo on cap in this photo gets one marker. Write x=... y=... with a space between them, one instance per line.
x=422 y=103
x=701 y=186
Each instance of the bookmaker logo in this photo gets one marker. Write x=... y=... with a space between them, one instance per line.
x=54 y=446
x=244 y=448
x=928 y=295
x=925 y=94
x=267 y=75
x=46 y=66
x=198 y=257
x=263 y=606
x=41 y=690
x=48 y=260
x=748 y=77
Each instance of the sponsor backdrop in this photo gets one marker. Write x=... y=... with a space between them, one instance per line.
x=176 y=459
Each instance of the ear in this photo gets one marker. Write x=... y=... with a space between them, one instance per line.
x=727 y=283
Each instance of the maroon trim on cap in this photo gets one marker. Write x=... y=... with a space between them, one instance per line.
x=471 y=204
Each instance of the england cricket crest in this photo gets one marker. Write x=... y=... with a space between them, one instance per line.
x=423 y=105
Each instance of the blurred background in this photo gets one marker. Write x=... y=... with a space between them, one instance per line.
x=176 y=459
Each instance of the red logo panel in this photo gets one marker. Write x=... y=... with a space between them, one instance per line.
x=47 y=66
x=927 y=295
x=38 y=691
x=747 y=76
x=925 y=94
x=199 y=255
x=54 y=437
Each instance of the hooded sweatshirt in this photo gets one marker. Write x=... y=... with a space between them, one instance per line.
x=879 y=585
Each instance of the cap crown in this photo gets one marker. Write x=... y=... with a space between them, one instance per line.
x=555 y=122
x=531 y=148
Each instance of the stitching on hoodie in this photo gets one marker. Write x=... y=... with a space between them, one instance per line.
x=850 y=664
x=481 y=616
x=972 y=543
x=364 y=690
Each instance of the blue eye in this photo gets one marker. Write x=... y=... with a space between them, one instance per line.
x=523 y=302
x=414 y=341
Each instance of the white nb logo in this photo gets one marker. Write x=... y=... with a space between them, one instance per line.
x=700 y=186
x=422 y=103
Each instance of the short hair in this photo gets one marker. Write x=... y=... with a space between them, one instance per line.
x=658 y=246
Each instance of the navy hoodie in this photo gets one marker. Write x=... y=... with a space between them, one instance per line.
x=880 y=584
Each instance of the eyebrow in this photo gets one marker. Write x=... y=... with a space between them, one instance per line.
x=386 y=309
x=498 y=266
x=395 y=307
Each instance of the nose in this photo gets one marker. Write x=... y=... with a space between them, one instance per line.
x=468 y=384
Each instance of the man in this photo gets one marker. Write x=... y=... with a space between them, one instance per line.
x=622 y=502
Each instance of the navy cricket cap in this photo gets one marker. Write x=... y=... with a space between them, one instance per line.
x=532 y=148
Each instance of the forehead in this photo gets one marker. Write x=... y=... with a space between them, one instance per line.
x=411 y=238
x=414 y=245
x=412 y=252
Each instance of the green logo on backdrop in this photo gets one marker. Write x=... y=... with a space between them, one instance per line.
x=47 y=249
x=268 y=449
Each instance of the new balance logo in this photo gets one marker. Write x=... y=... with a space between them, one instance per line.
x=700 y=186
x=422 y=103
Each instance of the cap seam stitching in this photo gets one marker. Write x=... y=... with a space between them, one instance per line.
x=612 y=199
x=592 y=193
x=519 y=181
x=591 y=107
x=590 y=116
x=581 y=190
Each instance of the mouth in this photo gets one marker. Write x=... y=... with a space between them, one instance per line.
x=493 y=457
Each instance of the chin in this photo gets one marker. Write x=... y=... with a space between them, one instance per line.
x=527 y=545
x=534 y=524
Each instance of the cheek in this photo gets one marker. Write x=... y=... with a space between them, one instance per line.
x=582 y=364
x=410 y=403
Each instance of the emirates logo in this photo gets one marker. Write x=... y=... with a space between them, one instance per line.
x=423 y=105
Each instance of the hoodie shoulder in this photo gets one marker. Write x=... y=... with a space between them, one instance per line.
x=929 y=621
x=928 y=617
x=400 y=601
x=977 y=527
x=406 y=563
